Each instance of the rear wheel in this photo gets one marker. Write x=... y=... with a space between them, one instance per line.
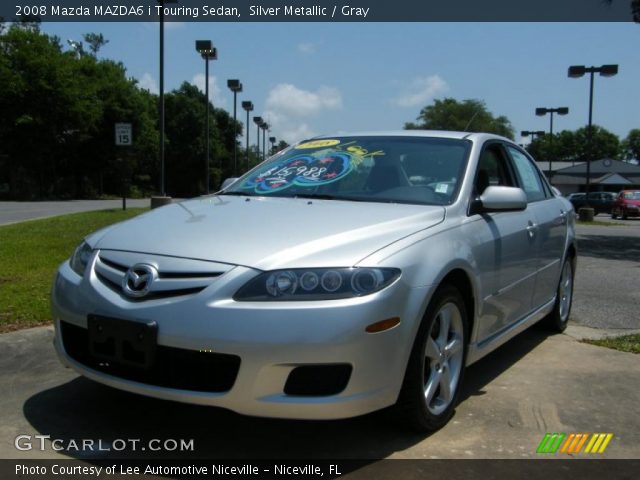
x=434 y=374
x=614 y=215
x=558 y=319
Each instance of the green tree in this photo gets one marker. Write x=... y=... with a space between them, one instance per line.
x=281 y=145
x=57 y=124
x=186 y=145
x=96 y=41
x=470 y=115
x=42 y=103
x=574 y=145
x=631 y=145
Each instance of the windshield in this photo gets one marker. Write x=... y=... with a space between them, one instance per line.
x=420 y=170
x=632 y=195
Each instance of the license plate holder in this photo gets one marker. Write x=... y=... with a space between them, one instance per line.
x=123 y=342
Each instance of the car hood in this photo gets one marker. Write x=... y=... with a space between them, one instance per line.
x=267 y=233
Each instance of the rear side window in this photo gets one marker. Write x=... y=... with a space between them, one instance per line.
x=528 y=176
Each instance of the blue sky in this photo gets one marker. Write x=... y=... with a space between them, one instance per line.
x=315 y=78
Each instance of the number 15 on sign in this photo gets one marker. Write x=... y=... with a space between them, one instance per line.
x=123 y=134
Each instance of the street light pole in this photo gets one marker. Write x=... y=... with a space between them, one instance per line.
x=265 y=127
x=258 y=121
x=208 y=52
x=161 y=100
x=541 y=111
x=236 y=87
x=577 y=71
x=533 y=133
x=248 y=106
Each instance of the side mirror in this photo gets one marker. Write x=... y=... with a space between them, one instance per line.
x=503 y=199
x=228 y=182
x=555 y=191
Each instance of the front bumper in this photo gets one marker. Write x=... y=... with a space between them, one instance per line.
x=271 y=339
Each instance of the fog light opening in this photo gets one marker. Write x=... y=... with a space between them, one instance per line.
x=383 y=325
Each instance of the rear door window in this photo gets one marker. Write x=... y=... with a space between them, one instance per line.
x=528 y=175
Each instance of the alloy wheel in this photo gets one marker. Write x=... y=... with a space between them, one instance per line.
x=444 y=351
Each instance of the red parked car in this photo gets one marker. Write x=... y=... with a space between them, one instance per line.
x=627 y=204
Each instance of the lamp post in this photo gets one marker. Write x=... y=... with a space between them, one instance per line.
x=208 y=52
x=248 y=106
x=542 y=111
x=258 y=121
x=272 y=140
x=264 y=127
x=577 y=71
x=236 y=87
x=161 y=96
x=533 y=133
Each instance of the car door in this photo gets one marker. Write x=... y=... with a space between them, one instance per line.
x=502 y=248
x=550 y=229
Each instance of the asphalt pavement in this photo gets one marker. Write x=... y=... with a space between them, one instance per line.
x=14 y=212
x=607 y=287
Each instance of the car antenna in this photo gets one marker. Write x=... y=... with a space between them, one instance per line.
x=470 y=121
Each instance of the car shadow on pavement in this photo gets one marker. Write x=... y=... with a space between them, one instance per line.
x=616 y=247
x=82 y=409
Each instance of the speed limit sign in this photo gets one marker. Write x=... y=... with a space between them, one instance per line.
x=123 y=134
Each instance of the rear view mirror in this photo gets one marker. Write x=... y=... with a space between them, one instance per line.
x=228 y=182
x=500 y=199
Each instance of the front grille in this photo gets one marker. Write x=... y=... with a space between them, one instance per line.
x=176 y=276
x=172 y=368
x=318 y=380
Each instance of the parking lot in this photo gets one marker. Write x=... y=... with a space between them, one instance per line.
x=533 y=385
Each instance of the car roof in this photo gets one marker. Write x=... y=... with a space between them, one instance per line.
x=473 y=136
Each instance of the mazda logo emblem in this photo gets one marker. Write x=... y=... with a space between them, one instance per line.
x=138 y=280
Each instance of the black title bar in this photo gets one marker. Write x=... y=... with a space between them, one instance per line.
x=321 y=10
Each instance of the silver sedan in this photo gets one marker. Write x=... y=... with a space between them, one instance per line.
x=343 y=275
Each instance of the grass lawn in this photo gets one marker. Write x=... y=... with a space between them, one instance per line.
x=30 y=253
x=625 y=343
x=600 y=223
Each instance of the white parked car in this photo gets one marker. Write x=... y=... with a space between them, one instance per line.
x=341 y=276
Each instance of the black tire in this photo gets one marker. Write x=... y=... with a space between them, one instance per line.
x=558 y=319
x=624 y=214
x=412 y=407
x=614 y=215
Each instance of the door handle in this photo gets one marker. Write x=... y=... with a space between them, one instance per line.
x=563 y=217
x=531 y=229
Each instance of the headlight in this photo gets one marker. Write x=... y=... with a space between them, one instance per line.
x=80 y=258
x=316 y=284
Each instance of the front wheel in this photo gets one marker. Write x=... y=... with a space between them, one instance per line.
x=434 y=374
x=558 y=319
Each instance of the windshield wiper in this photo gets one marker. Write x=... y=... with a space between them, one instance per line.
x=325 y=196
x=242 y=194
x=319 y=196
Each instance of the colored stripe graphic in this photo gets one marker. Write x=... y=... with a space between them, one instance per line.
x=550 y=443
x=598 y=442
x=574 y=442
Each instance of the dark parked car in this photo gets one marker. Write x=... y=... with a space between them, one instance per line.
x=627 y=204
x=601 y=202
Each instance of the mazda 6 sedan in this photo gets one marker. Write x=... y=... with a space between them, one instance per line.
x=341 y=276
